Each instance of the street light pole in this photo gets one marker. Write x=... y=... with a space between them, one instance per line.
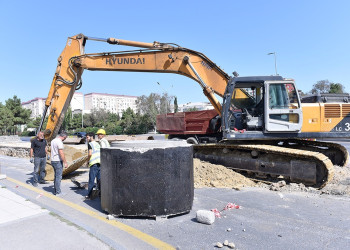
x=274 y=53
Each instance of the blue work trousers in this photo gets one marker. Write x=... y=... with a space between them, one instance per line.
x=94 y=173
x=58 y=168
x=39 y=169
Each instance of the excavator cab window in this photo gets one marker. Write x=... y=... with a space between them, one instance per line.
x=283 y=112
x=246 y=98
x=283 y=96
x=247 y=104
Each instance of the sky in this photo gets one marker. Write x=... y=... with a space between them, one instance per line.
x=311 y=40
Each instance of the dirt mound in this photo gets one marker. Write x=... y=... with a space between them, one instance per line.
x=212 y=175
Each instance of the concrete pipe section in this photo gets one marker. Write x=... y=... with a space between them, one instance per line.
x=147 y=178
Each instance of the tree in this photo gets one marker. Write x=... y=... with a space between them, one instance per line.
x=149 y=105
x=35 y=122
x=321 y=86
x=153 y=105
x=191 y=109
x=6 y=119
x=176 y=107
x=127 y=121
x=67 y=122
x=20 y=115
x=336 y=88
x=77 y=121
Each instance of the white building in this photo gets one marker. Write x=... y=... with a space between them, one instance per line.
x=196 y=105
x=36 y=105
x=109 y=102
x=77 y=103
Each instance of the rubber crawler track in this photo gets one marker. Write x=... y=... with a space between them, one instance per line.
x=340 y=148
x=323 y=162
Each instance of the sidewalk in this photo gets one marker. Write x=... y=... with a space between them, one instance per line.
x=14 y=207
x=25 y=225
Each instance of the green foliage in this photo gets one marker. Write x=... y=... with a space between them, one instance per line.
x=20 y=114
x=176 y=107
x=191 y=109
x=153 y=105
x=67 y=122
x=130 y=122
x=336 y=88
x=6 y=119
x=325 y=86
x=321 y=86
x=11 y=115
x=77 y=121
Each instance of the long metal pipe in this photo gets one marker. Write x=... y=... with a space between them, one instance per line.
x=129 y=43
x=96 y=39
x=202 y=83
x=42 y=119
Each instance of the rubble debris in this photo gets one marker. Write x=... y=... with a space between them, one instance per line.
x=219 y=244
x=110 y=217
x=231 y=245
x=229 y=206
x=205 y=217
x=216 y=212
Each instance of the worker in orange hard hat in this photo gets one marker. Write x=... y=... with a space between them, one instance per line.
x=101 y=133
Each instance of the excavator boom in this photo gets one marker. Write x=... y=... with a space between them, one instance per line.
x=157 y=57
x=265 y=108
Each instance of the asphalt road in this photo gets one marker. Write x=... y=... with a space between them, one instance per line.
x=267 y=220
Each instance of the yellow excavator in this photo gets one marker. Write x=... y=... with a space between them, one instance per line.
x=263 y=122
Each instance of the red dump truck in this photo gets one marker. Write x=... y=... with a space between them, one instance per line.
x=195 y=127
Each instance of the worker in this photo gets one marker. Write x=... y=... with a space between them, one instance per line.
x=38 y=154
x=58 y=161
x=101 y=133
x=94 y=163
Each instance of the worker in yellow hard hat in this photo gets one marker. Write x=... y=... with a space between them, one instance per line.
x=101 y=133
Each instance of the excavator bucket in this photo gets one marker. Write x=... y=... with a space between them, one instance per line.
x=75 y=159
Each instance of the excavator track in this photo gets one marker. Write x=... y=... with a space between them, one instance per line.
x=308 y=167
x=337 y=153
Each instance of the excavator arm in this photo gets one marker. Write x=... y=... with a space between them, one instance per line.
x=155 y=57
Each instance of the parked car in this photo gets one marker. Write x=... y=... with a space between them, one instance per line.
x=80 y=134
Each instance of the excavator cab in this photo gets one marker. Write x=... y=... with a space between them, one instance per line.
x=259 y=106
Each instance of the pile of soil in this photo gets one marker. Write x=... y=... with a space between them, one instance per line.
x=212 y=175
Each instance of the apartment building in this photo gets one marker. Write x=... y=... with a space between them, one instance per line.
x=77 y=103
x=109 y=102
x=37 y=105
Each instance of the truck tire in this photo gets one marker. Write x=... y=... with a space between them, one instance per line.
x=191 y=140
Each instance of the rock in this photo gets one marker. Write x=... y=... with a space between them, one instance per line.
x=110 y=217
x=219 y=244
x=231 y=245
x=228 y=229
x=226 y=243
x=205 y=217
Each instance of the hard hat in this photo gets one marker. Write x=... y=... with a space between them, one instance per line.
x=101 y=131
